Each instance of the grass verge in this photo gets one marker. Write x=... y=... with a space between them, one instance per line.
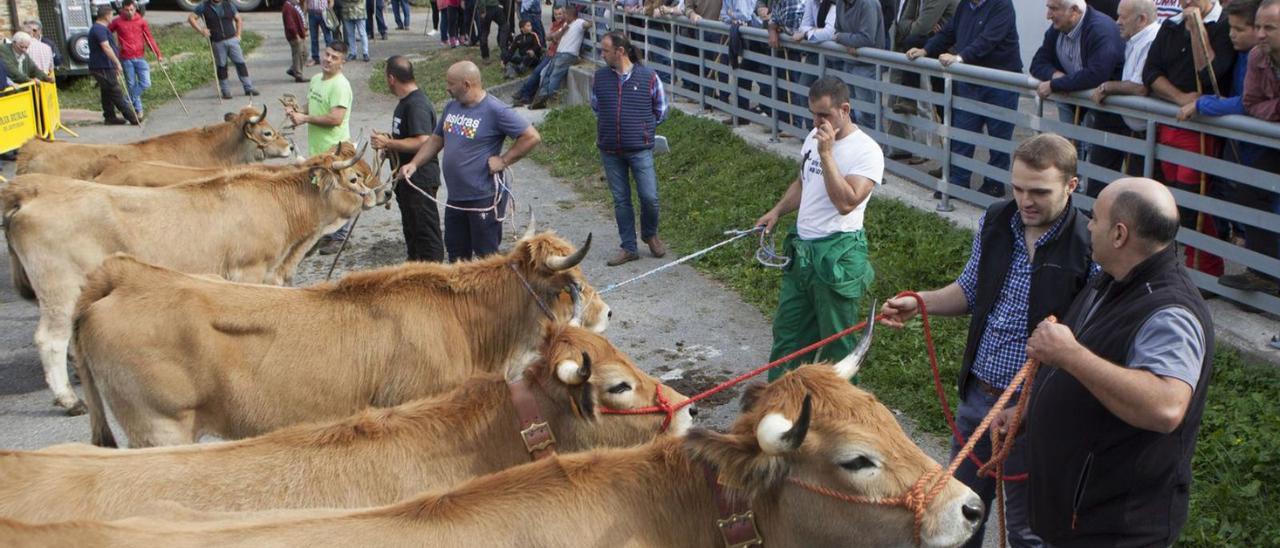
x=190 y=65
x=429 y=72
x=713 y=181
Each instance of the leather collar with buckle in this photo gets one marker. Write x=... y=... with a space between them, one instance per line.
x=737 y=522
x=534 y=430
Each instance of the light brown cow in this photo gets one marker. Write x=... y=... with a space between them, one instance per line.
x=251 y=226
x=242 y=138
x=241 y=360
x=156 y=173
x=811 y=426
x=379 y=456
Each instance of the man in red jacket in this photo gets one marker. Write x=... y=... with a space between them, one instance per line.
x=135 y=37
x=295 y=31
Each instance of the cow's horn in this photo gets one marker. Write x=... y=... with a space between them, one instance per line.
x=344 y=164
x=575 y=295
x=260 y=117
x=565 y=263
x=849 y=366
x=777 y=435
x=572 y=373
x=532 y=226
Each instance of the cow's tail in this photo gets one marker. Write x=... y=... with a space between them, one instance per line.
x=98 y=286
x=11 y=198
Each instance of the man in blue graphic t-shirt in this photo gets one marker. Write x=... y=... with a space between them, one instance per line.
x=471 y=131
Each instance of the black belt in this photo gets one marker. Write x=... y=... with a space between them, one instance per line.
x=987 y=388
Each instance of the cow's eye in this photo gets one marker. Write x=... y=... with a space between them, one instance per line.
x=267 y=134
x=619 y=388
x=857 y=464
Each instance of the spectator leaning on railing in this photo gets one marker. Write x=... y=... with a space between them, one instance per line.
x=1138 y=26
x=860 y=24
x=983 y=33
x=737 y=13
x=1170 y=74
x=918 y=21
x=41 y=53
x=1240 y=16
x=1081 y=50
x=817 y=25
x=785 y=19
x=1261 y=99
x=13 y=53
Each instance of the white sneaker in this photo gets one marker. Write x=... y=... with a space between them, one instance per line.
x=433 y=33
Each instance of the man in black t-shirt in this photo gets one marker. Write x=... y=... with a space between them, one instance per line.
x=411 y=124
x=105 y=67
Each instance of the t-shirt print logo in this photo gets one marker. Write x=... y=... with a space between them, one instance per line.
x=814 y=167
x=461 y=125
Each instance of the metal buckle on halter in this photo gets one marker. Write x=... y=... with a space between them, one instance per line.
x=748 y=516
x=532 y=434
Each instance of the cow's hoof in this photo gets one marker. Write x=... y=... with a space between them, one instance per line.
x=77 y=409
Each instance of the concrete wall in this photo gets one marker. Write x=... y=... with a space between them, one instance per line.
x=9 y=21
x=1031 y=27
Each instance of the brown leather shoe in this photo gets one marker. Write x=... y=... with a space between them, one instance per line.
x=656 y=246
x=622 y=257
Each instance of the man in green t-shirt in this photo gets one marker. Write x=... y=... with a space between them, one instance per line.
x=329 y=98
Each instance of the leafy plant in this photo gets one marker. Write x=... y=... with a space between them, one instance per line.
x=713 y=181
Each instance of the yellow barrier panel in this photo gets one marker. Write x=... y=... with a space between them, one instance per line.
x=50 y=113
x=18 y=120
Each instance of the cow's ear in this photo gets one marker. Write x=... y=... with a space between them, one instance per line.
x=752 y=395
x=228 y=117
x=738 y=459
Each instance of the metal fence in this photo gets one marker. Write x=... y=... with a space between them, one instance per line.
x=693 y=60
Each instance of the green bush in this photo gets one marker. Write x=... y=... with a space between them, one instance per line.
x=188 y=72
x=713 y=181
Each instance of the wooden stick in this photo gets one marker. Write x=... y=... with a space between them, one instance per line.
x=165 y=70
x=217 y=83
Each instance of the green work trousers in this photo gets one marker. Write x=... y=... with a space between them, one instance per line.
x=819 y=297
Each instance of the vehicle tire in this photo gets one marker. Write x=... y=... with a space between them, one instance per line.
x=242 y=5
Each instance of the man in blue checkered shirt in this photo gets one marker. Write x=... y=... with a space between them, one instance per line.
x=1030 y=258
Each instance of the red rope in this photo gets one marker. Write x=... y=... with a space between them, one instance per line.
x=937 y=385
x=670 y=410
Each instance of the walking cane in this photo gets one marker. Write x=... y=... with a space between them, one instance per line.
x=165 y=70
x=217 y=84
x=128 y=97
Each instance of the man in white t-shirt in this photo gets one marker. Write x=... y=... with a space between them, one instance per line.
x=829 y=270
x=568 y=43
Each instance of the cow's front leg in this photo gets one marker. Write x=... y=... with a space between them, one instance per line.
x=53 y=333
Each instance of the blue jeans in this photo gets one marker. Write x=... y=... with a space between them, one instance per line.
x=640 y=167
x=975 y=123
x=555 y=73
x=375 y=8
x=865 y=119
x=471 y=235
x=355 y=34
x=137 y=75
x=315 y=21
x=530 y=87
x=973 y=407
x=400 y=10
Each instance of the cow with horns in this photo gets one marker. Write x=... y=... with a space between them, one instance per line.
x=238 y=360
x=241 y=138
x=812 y=461
x=249 y=226
x=379 y=456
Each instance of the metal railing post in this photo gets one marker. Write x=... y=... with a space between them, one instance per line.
x=948 y=105
x=1149 y=160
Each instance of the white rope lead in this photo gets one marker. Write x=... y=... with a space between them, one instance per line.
x=736 y=235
